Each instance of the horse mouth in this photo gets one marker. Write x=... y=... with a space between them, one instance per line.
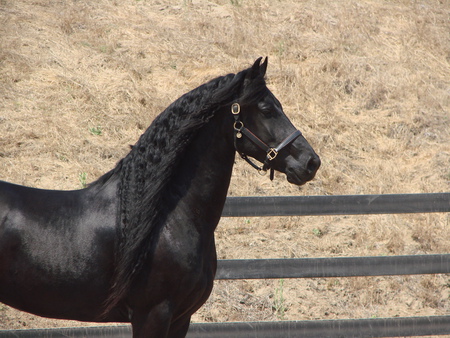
x=293 y=178
x=300 y=177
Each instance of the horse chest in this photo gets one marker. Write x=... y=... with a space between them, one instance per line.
x=189 y=250
x=182 y=269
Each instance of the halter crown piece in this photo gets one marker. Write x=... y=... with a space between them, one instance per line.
x=271 y=153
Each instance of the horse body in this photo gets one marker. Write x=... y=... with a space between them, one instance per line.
x=138 y=245
x=52 y=242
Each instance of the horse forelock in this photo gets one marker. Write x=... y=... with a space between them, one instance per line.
x=147 y=170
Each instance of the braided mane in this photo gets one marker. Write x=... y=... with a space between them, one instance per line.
x=145 y=173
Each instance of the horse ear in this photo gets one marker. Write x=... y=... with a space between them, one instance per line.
x=263 y=67
x=258 y=69
x=256 y=66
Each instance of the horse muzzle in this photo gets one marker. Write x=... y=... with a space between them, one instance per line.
x=300 y=171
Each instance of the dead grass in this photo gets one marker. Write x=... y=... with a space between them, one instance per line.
x=366 y=81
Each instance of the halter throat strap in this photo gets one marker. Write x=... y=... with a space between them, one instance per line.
x=271 y=152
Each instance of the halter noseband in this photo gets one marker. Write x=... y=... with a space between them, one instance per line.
x=271 y=153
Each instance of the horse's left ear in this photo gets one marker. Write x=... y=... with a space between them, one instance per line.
x=258 y=68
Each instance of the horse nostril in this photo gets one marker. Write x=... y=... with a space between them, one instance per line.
x=313 y=164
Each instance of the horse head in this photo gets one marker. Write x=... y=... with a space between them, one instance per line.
x=263 y=131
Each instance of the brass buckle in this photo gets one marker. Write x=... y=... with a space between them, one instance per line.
x=271 y=154
x=235 y=108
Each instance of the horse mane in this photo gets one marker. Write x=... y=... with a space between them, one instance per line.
x=146 y=172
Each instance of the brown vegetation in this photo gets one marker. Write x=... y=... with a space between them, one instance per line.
x=367 y=82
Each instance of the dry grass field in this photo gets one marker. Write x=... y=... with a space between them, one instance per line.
x=367 y=82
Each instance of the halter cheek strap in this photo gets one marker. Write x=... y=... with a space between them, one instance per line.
x=271 y=152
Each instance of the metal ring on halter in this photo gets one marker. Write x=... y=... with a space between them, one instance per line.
x=238 y=125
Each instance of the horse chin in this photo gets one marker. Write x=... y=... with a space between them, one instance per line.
x=297 y=178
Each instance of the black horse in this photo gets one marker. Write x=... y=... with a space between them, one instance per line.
x=137 y=245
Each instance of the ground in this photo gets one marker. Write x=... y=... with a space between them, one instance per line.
x=367 y=82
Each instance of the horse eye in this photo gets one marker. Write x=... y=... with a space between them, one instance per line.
x=266 y=110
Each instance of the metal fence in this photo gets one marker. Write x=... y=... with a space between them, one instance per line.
x=309 y=268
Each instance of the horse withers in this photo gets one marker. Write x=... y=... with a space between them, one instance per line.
x=137 y=245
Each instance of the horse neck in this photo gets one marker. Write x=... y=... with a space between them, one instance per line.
x=204 y=173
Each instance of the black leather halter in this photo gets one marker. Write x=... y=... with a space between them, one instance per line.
x=271 y=152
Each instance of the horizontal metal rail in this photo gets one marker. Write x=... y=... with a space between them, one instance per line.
x=336 y=205
x=378 y=327
x=332 y=267
x=362 y=328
